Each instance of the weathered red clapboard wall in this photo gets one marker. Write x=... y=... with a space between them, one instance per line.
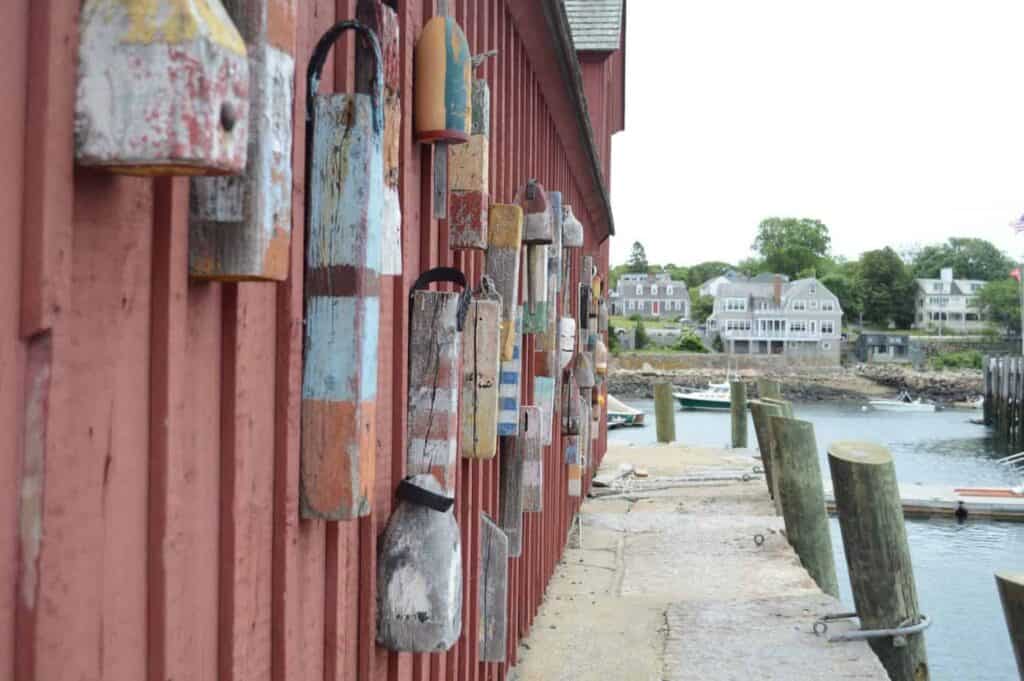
x=149 y=426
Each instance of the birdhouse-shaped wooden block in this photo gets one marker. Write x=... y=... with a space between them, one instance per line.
x=493 y=600
x=504 y=239
x=537 y=223
x=566 y=341
x=240 y=226
x=436 y=322
x=342 y=291
x=163 y=88
x=508 y=390
x=510 y=499
x=572 y=229
x=535 y=306
x=443 y=108
x=531 y=452
x=481 y=364
x=468 y=168
x=419 y=571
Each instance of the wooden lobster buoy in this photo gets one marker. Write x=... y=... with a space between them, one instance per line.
x=240 y=227
x=601 y=359
x=530 y=450
x=583 y=311
x=504 y=236
x=544 y=399
x=572 y=229
x=537 y=223
x=510 y=501
x=163 y=88
x=339 y=382
x=566 y=341
x=570 y=411
x=574 y=469
x=468 y=178
x=602 y=316
x=547 y=341
x=480 y=374
x=583 y=372
x=435 y=348
x=508 y=390
x=419 y=571
x=493 y=600
x=443 y=108
x=535 y=306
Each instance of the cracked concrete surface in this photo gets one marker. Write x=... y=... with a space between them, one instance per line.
x=664 y=582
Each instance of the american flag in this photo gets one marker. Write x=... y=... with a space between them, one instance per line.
x=1018 y=224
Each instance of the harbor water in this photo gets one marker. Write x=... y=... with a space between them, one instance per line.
x=953 y=562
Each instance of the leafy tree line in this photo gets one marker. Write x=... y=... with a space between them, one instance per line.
x=879 y=287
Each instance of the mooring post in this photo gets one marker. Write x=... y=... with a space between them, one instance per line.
x=762 y=411
x=769 y=388
x=738 y=408
x=664 y=412
x=1011 y=593
x=875 y=540
x=986 y=405
x=803 y=499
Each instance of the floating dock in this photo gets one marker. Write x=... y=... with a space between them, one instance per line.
x=937 y=501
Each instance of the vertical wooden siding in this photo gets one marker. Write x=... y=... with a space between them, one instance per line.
x=159 y=418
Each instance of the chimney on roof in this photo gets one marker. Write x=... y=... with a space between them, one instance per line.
x=946 y=275
x=777 y=286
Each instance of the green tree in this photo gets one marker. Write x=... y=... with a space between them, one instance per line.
x=847 y=291
x=791 y=245
x=614 y=274
x=677 y=272
x=640 y=338
x=701 y=272
x=970 y=258
x=701 y=307
x=1000 y=302
x=690 y=342
x=753 y=266
x=886 y=288
x=637 y=262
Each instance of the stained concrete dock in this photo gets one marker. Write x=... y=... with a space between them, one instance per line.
x=664 y=581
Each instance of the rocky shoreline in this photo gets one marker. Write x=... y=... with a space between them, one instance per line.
x=857 y=383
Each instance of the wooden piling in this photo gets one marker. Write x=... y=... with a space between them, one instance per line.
x=875 y=539
x=665 y=412
x=1011 y=593
x=762 y=411
x=803 y=499
x=986 y=371
x=769 y=388
x=738 y=409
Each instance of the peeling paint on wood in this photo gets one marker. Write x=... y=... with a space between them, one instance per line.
x=342 y=291
x=544 y=398
x=508 y=390
x=419 y=577
x=535 y=306
x=504 y=236
x=469 y=167
x=480 y=379
x=537 y=225
x=531 y=452
x=435 y=348
x=443 y=74
x=493 y=600
x=163 y=88
x=510 y=500
x=240 y=227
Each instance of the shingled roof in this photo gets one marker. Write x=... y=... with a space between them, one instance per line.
x=596 y=24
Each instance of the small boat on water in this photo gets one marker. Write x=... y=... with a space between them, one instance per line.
x=715 y=396
x=621 y=415
x=903 y=402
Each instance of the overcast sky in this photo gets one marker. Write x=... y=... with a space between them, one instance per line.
x=892 y=121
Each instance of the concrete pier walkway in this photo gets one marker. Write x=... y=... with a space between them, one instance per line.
x=667 y=579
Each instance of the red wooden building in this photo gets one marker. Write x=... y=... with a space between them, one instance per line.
x=149 y=423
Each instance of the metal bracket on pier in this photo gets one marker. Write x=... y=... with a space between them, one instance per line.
x=898 y=634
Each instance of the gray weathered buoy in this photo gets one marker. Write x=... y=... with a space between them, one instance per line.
x=493 y=599
x=419 y=571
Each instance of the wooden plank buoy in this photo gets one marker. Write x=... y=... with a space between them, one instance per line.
x=566 y=341
x=436 y=322
x=601 y=359
x=572 y=229
x=547 y=341
x=504 y=237
x=535 y=307
x=537 y=223
x=480 y=374
x=602 y=316
x=493 y=599
x=508 y=390
x=419 y=571
x=570 y=403
x=583 y=372
x=342 y=290
x=510 y=500
x=531 y=451
x=240 y=227
x=468 y=178
x=574 y=470
x=139 y=107
x=544 y=399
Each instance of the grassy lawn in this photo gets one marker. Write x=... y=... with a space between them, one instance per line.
x=626 y=323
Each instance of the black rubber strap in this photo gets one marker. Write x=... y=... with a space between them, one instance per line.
x=447 y=274
x=415 y=494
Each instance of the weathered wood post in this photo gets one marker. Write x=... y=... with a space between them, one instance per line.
x=738 y=409
x=769 y=388
x=531 y=452
x=762 y=411
x=987 y=403
x=875 y=539
x=1011 y=593
x=803 y=499
x=664 y=412
x=493 y=598
x=510 y=501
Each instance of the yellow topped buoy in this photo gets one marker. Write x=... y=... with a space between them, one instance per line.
x=443 y=109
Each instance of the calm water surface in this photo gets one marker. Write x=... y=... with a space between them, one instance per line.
x=953 y=563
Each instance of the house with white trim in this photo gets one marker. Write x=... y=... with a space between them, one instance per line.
x=651 y=295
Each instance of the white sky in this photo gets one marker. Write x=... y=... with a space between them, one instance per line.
x=893 y=121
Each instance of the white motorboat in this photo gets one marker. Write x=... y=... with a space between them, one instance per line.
x=621 y=414
x=715 y=396
x=903 y=402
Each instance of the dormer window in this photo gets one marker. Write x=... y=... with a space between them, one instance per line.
x=937 y=286
x=669 y=290
x=654 y=290
x=812 y=288
x=639 y=289
x=799 y=305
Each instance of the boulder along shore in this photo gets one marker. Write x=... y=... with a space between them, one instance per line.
x=858 y=382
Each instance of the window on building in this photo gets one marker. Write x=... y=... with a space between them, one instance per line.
x=639 y=289
x=827 y=346
x=814 y=304
x=828 y=306
x=654 y=290
x=828 y=327
x=736 y=304
x=937 y=286
x=798 y=326
x=971 y=317
x=812 y=288
x=799 y=305
x=632 y=304
x=814 y=327
x=669 y=290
